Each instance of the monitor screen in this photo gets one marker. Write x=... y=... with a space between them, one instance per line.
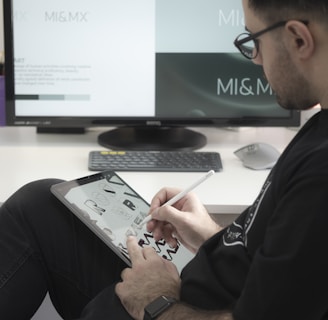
x=149 y=67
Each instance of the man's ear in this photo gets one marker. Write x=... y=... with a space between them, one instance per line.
x=300 y=39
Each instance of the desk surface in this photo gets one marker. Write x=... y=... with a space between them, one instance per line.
x=27 y=156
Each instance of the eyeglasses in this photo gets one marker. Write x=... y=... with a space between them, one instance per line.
x=248 y=43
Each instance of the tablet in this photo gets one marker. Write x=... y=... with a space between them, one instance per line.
x=113 y=210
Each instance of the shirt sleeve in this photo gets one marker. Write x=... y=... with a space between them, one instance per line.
x=288 y=276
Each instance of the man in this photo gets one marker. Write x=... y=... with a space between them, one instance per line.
x=269 y=264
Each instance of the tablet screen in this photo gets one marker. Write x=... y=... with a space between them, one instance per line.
x=113 y=210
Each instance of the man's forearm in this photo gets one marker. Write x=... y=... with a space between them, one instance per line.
x=181 y=311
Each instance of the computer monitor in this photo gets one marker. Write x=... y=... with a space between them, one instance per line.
x=150 y=69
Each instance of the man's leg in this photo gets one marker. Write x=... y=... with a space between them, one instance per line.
x=43 y=246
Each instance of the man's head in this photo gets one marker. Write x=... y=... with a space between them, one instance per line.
x=286 y=9
x=292 y=47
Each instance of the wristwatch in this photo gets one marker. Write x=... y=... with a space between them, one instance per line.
x=158 y=306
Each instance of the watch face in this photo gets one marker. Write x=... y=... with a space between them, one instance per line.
x=159 y=305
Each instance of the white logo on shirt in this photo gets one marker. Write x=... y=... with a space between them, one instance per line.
x=236 y=234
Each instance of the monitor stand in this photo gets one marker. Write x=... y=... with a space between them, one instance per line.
x=152 y=138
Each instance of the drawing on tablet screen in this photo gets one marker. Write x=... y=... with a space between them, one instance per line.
x=160 y=246
x=94 y=206
x=100 y=198
x=114 y=211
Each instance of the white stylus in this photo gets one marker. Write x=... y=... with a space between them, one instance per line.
x=180 y=195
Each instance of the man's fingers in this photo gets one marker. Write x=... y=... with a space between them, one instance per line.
x=135 y=251
x=168 y=214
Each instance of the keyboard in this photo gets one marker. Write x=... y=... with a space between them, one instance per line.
x=160 y=161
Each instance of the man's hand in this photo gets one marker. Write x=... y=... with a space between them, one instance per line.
x=149 y=277
x=187 y=220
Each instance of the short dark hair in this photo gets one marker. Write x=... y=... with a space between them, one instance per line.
x=290 y=9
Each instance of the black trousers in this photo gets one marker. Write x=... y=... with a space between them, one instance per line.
x=44 y=247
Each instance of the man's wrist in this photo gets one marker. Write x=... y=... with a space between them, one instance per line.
x=154 y=309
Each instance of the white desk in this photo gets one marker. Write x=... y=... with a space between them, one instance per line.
x=27 y=156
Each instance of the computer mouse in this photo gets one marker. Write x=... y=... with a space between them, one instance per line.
x=258 y=156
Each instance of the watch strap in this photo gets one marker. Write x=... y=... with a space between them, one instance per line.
x=158 y=306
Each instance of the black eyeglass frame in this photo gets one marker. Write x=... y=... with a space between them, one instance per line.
x=253 y=37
